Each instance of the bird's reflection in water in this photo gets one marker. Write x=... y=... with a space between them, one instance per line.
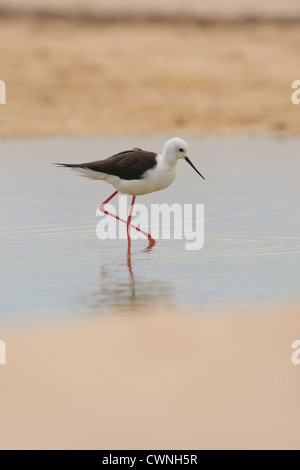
x=131 y=292
x=129 y=265
x=131 y=276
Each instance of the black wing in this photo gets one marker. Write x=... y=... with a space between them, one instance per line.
x=127 y=165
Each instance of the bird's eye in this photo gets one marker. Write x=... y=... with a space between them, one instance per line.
x=180 y=150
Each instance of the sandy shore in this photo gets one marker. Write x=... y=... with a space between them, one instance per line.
x=154 y=383
x=85 y=79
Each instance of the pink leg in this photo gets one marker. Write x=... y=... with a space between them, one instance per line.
x=102 y=209
x=128 y=223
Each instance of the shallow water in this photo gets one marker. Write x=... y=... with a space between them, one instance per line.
x=54 y=268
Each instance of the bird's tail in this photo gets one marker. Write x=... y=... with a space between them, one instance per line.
x=68 y=165
x=81 y=170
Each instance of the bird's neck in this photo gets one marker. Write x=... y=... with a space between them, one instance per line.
x=169 y=160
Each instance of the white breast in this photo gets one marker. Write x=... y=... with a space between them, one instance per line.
x=155 y=179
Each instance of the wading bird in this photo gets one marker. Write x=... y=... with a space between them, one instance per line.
x=136 y=172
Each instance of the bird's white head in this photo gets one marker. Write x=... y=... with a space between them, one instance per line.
x=176 y=148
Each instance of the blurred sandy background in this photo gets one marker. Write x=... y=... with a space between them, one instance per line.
x=119 y=70
x=155 y=382
x=204 y=10
x=101 y=68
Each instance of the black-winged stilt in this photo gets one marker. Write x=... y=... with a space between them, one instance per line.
x=136 y=172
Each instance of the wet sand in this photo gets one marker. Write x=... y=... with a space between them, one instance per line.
x=154 y=382
x=87 y=79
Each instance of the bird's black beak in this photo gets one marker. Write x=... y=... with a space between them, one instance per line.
x=190 y=163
